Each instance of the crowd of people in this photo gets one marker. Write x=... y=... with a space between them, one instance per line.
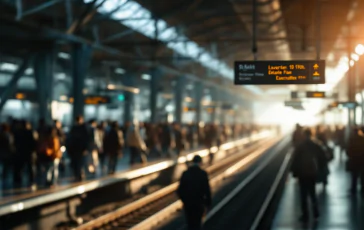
x=96 y=147
x=314 y=149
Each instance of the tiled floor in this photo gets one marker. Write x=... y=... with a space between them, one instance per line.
x=339 y=209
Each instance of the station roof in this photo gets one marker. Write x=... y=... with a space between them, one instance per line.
x=200 y=39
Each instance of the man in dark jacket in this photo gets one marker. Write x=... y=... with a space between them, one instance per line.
x=195 y=193
x=308 y=161
x=77 y=146
x=355 y=152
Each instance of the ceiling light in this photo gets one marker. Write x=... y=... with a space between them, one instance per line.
x=64 y=55
x=352 y=62
x=29 y=71
x=359 y=49
x=119 y=71
x=188 y=99
x=63 y=98
x=146 y=77
x=8 y=66
x=111 y=87
x=135 y=90
x=190 y=86
x=169 y=108
x=60 y=76
x=355 y=57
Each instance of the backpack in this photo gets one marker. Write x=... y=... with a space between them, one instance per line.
x=43 y=145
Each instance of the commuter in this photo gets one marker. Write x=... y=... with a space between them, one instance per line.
x=77 y=147
x=355 y=164
x=53 y=156
x=7 y=150
x=25 y=145
x=92 y=160
x=62 y=140
x=210 y=138
x=60 y=133
x=298 y=136
x=323 y=140
x=201 y=134
x=99 y=141
x=136 y=145
x=153 y=142
x=195 y=194
x=308 y=160
x=113 y=144
x=191 y=136
x=340 y=139
x=142 y=131
x=166 y=140
x=180 y=139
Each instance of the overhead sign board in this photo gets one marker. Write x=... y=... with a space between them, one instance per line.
x=279 y=72
x=315 y=94
x=227 y=106
x=293 y=103
x=347 y=104
x=294 y=94
x=96 y=100
x=25 y=95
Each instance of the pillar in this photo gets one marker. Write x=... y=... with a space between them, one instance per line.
x=81 y=58
x=179 y=97
x=216 y=107
x=225 y=102
x=199 y=93
x=43 y=72
x=351 y=82
x=156 y=75
x=129 y=81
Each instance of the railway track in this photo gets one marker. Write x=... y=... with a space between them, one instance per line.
x=149 y=210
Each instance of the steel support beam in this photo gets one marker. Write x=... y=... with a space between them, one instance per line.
x=179 y=96
x=19 y=9
x=318 y=29
x=154 y=90
x=11 y=86
x=43 y=72
x=216 y=100
x=81 y=57
x=69 y=13
x=351 y=81
x=199 y=93
x=362 y=107
x=129 y=81
x=40 y=7
x=224 y=100
x=254 y=30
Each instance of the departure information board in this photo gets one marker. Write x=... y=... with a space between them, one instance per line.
x=96 y=100
x=315 y=94
x=279 y=72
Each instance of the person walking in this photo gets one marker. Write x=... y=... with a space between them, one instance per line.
x=195 y=193
x=308 y=161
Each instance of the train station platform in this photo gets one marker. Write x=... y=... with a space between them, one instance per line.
x=15 y=202
x=339 y=209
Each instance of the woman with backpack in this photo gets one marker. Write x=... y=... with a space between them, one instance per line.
x=50 y=150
